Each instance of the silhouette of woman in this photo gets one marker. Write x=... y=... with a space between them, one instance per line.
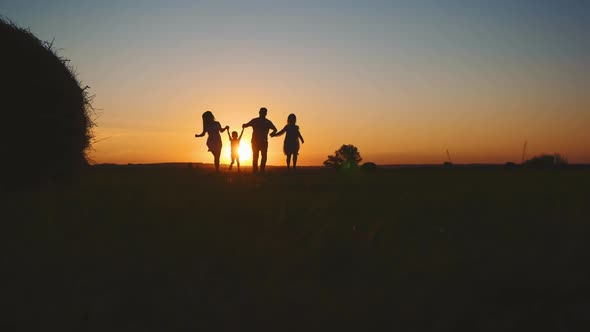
x=291 y=144
x=213 y=129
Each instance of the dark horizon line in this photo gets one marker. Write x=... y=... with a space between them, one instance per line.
x=178 y=163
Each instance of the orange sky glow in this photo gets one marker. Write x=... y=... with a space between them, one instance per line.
x=402 y=81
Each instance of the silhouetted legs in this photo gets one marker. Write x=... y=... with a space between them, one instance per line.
x=262 y=149
x=237 y=160
x=255 y=152
x=289 y=161
x=263 y=153
x=216 y=155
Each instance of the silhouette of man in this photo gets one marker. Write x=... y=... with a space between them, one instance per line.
x=260 y=126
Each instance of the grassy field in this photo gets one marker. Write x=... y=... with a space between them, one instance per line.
x=134 y=248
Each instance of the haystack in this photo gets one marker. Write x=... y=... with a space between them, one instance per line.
x=46 y=128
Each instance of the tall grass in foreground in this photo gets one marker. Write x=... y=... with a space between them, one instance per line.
x=410 y=250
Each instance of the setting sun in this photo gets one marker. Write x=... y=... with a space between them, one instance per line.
x=245 y=152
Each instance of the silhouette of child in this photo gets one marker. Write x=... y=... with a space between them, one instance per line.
x=291 y=144
x=235 y=147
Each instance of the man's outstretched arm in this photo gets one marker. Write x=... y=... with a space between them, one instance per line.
x=273 y=128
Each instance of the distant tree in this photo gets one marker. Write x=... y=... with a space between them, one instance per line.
x=346 y=157
x=546 y=161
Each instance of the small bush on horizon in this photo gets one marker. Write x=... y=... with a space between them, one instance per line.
x=369 y=167
x=510 y=165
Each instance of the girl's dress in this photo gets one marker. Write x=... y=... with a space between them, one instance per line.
x=214 y=137
x=291 y=144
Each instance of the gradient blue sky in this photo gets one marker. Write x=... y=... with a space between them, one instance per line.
x=402 y=80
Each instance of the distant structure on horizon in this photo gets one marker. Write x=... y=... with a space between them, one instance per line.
x=449 y=157
x=524 y=151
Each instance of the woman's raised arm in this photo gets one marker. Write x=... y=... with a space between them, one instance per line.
x=201 y=134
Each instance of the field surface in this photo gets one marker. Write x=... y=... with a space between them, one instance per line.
x=132 y=248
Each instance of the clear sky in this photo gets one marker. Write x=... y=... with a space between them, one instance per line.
x=401 y=80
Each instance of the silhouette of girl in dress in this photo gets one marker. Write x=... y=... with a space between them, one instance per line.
x=291 y=144
x=213 y=129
